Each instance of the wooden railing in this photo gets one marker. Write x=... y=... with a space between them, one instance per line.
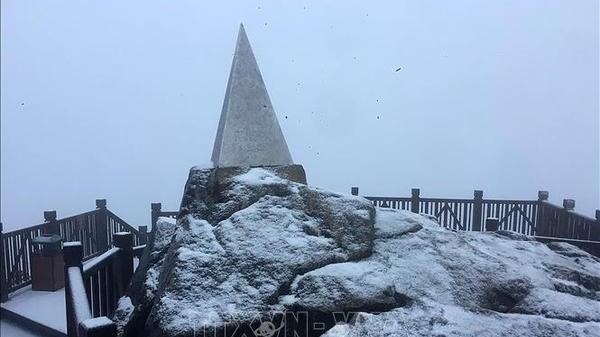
x=538 y=218
x=555 y=221
x=93 y=229
x=92 y=291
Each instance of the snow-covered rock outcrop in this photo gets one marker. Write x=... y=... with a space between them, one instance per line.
x=459 y=284
x=242 y=238
x=256 y=254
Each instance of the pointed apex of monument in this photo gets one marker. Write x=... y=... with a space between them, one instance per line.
x=242 y=33
x=248 y=132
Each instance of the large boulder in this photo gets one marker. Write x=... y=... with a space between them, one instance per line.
x=255 y=254
x=242 y=237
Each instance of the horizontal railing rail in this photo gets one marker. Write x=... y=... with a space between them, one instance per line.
x=106 y=277
x=98 y=262
x=79 y=314
x=138 y=251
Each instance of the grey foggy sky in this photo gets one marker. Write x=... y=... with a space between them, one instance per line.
x=118 y=99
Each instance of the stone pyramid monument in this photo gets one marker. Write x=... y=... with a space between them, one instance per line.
x=248 y=134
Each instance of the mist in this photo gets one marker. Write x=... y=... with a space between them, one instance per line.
x=118 y=100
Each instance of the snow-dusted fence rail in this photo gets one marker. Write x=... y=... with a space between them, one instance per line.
x=106 y=276
x=80 y=320
x=156 y=209
x=94 y=229
x=538 y=218
x=92 y=290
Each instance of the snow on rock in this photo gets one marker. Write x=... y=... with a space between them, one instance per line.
x=242 y=237
x=258 y=176
x=344 y=286
x=144 y=284
x=460 y=284
x=435 y=320
x=251 y=247
x=123 y=313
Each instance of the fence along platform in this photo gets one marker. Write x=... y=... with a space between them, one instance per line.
x=94 y=229
x=537 y=218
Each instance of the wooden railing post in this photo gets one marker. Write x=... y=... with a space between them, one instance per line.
x=568 y=204
x=52 y=227
x=101 y=234
x=564 y=229
x=595 y=230
x=156 y=208
x=124 y=260
x=477 y=210
x=414 y=200
x=354 y=190
x=541 y=224
x=72 y=255
x=98 y=327
x=142 y=234
x=3 y=270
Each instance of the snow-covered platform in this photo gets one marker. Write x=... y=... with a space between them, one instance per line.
x=42 y=311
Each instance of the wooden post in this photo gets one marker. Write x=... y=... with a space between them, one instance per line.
x=3 y=270
x=477 y=210
x=72 y=255
x=156 y=208
x=101 y=233
x=564 y=230
x=595 y=230
x=541 y=225
x=98 y=327
x=143 y=234
x=354 y=190
x=124 y=260
x=414 y=201
x=52 y=227
x=568 y=204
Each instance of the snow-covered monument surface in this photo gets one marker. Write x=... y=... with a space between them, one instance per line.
x=256 y=251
